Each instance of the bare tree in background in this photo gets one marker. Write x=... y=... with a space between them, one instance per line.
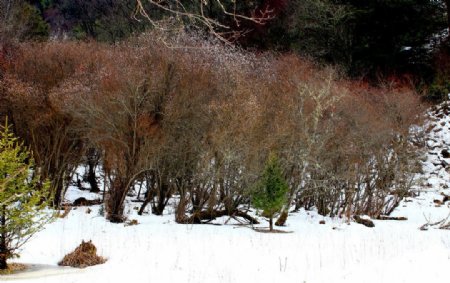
x=447 y=5
x=221 y=18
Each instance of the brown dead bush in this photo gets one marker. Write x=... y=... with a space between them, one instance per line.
x=198 y=123
x=83 y=256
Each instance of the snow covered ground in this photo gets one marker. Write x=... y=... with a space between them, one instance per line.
x=159 y=250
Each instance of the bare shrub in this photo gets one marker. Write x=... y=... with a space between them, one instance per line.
x=368 y=163
x=38 y=119
x=199 y=121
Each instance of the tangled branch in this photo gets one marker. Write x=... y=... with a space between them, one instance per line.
x=195 y=14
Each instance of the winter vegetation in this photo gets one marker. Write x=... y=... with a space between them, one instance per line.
x=129 y=123
x=21 y=201
x=199 y=123
x=270 y=192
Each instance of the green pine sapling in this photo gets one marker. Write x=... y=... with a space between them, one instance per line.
x=23 y=198
x=270 y=193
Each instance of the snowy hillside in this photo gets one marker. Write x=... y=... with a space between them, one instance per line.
x=159 y=250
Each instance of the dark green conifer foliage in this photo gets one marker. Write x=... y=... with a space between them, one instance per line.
x=22 y=197
x=270 y=193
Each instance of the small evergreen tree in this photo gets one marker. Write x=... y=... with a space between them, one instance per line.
x=270 y=193
x=22 y=197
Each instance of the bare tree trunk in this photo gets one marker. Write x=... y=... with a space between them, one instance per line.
x=114 y=203
x=271 y=223
x=281 y=221
x=3 y=248
x=180 y=213
x=157 y=188
x=92 y=180
x=92 y=162
x=3 y=264
x=148 y=199
x=207 y=216
x=163 y=195
x=58 y=192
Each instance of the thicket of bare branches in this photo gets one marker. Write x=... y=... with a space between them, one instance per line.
x=224 y=19
x=28 y=81
x=196 y=124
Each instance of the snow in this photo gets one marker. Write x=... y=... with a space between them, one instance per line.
x=159 y=250
x=74 y=193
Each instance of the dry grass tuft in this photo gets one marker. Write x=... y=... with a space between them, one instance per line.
x=66 y=211
x=83 y=256
x=131 y=222
x=13 y=268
